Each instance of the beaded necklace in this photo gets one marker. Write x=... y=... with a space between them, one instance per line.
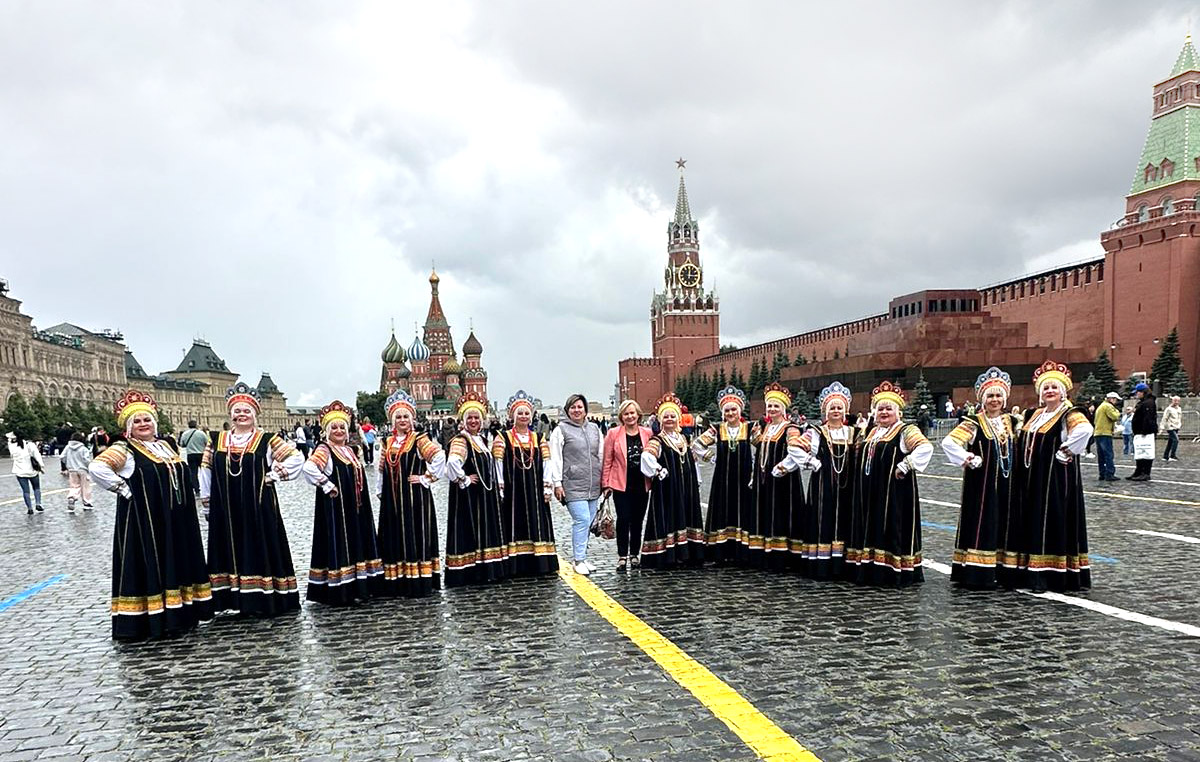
x=1003 y=448
x=170 y=462
x=1034 y=428
x=873 y=440
x=235 y=453
x=764 y=441
x=519 y=456
x=837 y=461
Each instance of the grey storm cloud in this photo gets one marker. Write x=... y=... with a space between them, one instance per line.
x=279 y=177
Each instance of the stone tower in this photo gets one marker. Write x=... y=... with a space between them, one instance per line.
x=1152 y=254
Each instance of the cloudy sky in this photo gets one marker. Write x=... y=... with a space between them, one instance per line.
x=278 y=177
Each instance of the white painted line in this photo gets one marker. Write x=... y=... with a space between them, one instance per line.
x=1167 y=535
x=1129 y=616
x=939 y=502
x=1101 y=608
x=937 y=566
x=1168 y=481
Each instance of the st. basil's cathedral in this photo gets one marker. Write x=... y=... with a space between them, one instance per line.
x=436 y=378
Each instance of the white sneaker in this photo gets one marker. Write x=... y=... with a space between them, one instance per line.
x=581 y=567
x=591 y=566
x=1089 y=455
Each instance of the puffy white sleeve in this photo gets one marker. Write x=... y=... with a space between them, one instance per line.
x=111 y=468
x=1077 y=432
x=554 y=466
x=920 y=454
x=650 y=466
x=318 y=468
x=954 y=444
x=291 y=463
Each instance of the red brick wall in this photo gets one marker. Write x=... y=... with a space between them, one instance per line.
x=641 y=379
x=1062 y=308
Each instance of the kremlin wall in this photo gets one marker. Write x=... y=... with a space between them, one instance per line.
x=1143 y=282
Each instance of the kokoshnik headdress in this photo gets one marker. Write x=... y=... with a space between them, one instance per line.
x=835 y=391
x=242 y=392
x=991 y=378
x=401 y=399
x=335 y=411
x=472 y=401
x=132 y=402
x=887 y=392
x=668 y=402
x=731 y=394
x=1052 y=371
x=519 y=399
x=777 y=392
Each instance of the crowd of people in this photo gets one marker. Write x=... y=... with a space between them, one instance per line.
x=1022 y=520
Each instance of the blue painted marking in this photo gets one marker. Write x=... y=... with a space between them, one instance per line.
x=13 y=600
x=950 y=528
x=946 y=527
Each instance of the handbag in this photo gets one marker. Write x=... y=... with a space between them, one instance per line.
x=605 y=523
x=1143 y=447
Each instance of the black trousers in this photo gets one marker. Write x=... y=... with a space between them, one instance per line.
x=193 y=460
x=631 y=512
x=1142 y=467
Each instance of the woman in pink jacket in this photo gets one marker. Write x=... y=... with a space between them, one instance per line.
x=622 y=476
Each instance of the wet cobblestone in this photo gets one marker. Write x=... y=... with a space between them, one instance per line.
x=526 y=670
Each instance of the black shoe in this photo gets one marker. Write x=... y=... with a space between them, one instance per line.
x=40 y=509
x=29 y=511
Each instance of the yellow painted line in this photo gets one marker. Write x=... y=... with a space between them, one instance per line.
x=44 y=493
x=1114 y=495
x=767 y=739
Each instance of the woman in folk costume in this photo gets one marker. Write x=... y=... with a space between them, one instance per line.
x=770 y=534
x=674 y=534
x=523 y=458
x=249 y=559
x=622 y=478
x=830 y=520
x=732 y=494
x=160 y=583
x=345 y=550
x=1051 y=528
x=886 y=496
x=983 y=446
x=475 y=548
x=408 y=538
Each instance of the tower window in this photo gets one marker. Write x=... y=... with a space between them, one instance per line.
x=1143 y=211
x=1168 y=205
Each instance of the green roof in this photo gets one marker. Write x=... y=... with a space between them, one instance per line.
x=1173 y=139
x=1187 y=60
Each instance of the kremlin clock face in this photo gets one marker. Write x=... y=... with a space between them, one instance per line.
x=689 y=275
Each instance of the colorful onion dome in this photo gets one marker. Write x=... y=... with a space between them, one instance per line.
x=418 y=352
x=393 y=352
x=404 y=372
x=472 y=346
x=452 y=366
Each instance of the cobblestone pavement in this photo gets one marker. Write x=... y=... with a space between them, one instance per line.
x=526 y=670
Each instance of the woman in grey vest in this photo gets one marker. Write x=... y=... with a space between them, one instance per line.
x=576 y=457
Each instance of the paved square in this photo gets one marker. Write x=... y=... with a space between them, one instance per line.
x=527 y=670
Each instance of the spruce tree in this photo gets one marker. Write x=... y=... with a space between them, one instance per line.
x=722 y=381
x=921 y=396
x=19 y=418
x=1105 y=373
x=1179 y=384
x=1167 y=362
x=738 y=380
x=800 y=359
x=1090 y=390
x=42 y=416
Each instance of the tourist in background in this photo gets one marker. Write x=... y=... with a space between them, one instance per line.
x=576 y=460
x=160 y=584
x=27 y=466
x=674 y=533
x=368 y=436
x=475 y=548
x=193 y=442
x=1105 y=422
x=345 y=553
x=249 y=559
x=77 y=458
x=1145 y=427
x=731 y=497
x=779 y=499
x=1051 y=526
x=830 y=520
x=1172 y=422
x=983 y=447
x=408 y=536
x=523 y=457
x=98 y=440
x=1127 y=429
x=622 y=479
x=886 y=497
